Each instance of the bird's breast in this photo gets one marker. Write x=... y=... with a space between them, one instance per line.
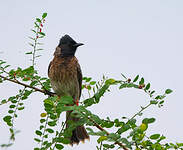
x=63 y=76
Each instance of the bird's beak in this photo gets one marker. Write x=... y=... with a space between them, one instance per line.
x=78 y=44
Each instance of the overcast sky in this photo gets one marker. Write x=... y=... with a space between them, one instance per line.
x=121 y=36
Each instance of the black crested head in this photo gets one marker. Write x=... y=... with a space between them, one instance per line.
x=68 y=46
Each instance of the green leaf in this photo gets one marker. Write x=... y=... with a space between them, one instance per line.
x=102 y=138
x=41 y=127
x=10 y=111
x=20 y=108
x=132 y=121
x=38 y=20
x=28 y=53
x=148 y=120
x=92 y=82
x=52 y=123
x=42 y=33
x=38 y=132
x=154 y=136
x=124 y=128
x=48 y=103
x=6 y=66
x=37 y=140
x=158 y=97
x=114 y=136
x=141 y=81
x=89 y=102
x=42 y=120
x=59 y=146
x=3 y=101
x=33 y=83
x=143 y=127
x=147 y=86
x=33 y=31
x=62 y=140
x=110 y=81
x=136 y=78
x=66 y=100
x=151 y=120
x=50 y=130
x=124 y=85
x=168 y=91
x=161 y=102
x=108 y=146
x=44 y=15
x=7 y=118
x=153 y=102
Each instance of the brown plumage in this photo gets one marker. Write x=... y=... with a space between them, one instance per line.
x=66 y=79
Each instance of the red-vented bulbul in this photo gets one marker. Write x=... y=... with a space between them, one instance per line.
x=66 y=79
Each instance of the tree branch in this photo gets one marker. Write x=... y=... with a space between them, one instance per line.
x=102 y=129
x=26 y=85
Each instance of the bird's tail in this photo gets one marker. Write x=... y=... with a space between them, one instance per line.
x=79 y=132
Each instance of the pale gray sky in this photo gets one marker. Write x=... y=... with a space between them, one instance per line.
x=130 y=37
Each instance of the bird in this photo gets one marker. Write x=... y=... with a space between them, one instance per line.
x=65 y=76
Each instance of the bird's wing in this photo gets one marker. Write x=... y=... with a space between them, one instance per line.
x=79 y=75
x=49 y=67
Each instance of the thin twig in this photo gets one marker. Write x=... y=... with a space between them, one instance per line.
x=142 y=109
x=44 y=131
